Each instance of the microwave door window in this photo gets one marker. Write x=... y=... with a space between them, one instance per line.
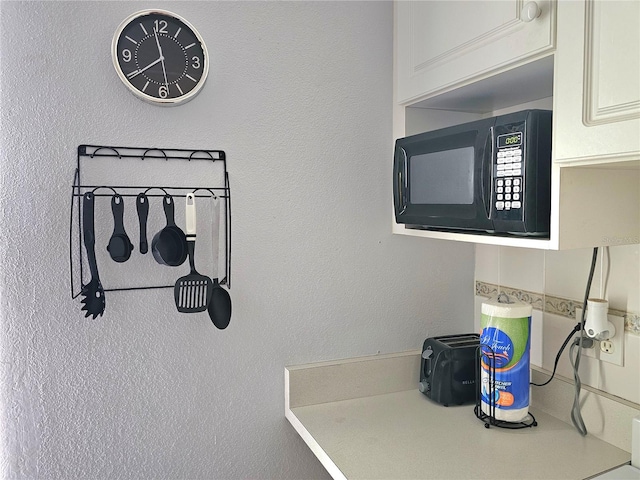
x=442 y=178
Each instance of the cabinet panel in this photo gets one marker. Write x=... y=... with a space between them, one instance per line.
x=597 y=82
x=612 y=56
x=442 y=45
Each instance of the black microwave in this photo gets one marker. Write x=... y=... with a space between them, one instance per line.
x=488 y=176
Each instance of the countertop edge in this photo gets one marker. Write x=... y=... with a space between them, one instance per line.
x=315 y=447
x=311 y=442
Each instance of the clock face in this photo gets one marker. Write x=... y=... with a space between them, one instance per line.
x=160 y=57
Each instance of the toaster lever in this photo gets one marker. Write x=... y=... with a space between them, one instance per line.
x=427 y=354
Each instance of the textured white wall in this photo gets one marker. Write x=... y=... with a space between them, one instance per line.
x=299 y=96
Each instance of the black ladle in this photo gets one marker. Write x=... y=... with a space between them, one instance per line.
x=219 y=307
x=169 y=245
x=142 y=206
x=120 y=247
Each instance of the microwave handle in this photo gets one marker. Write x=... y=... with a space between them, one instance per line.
x=487 y=169
x=400 y=175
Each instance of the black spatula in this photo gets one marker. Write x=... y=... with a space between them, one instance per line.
x=192 y=292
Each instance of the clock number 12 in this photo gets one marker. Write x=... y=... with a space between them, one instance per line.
x=161 y=26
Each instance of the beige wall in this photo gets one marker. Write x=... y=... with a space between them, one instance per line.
x=555 y=282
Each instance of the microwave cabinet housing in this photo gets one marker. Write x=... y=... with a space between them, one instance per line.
x=579 y=58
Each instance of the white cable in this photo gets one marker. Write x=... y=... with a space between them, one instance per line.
x=605 y=282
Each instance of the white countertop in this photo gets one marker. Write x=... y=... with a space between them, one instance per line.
x=625 y=472
x=402 y=434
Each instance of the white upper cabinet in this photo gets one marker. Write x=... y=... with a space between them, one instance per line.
x=460 y=61
x=596 y=110
x=474 y=40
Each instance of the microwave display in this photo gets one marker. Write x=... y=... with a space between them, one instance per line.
x=511 y=140
x=444 y=177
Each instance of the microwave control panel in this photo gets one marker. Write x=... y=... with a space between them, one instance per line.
x=508 y=178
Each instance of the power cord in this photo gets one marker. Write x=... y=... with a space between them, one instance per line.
x=580 y=342
x=576 y=416
x=575 y=330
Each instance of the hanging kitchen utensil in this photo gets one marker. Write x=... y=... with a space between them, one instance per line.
x=93 y=293
x=120 y=247
x=192 y=292
x=169 y=245
x=219 y=307
x=142 y=206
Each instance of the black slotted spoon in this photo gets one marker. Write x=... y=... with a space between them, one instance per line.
x=192 y=292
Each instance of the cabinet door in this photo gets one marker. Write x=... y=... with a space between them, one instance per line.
x=441 y=45
x=597 y=82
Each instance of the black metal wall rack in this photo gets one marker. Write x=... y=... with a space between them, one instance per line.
x=108 y=170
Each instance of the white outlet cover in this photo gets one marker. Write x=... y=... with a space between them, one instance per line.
x=617 y=357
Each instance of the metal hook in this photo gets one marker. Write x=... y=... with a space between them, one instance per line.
x=108 y=188
x=154 y=150
x=105 y=148
x=159 y=188
x=201 y=151
x=215 y=197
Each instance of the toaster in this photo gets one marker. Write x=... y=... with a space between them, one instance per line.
x=449 y=368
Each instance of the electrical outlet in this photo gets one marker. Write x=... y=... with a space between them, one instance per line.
x=606 y=346
x=611 y=350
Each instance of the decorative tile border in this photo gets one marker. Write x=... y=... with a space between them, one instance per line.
x=632 y=323
x=487 y=289
x=554 y=305
x=561 y=306
x=535 y=299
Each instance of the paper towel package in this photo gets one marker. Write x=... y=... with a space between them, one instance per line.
x=505 y=346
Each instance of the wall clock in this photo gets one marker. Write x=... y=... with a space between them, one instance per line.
x=160 y=57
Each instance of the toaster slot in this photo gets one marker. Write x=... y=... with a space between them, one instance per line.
x=458 y=341
x=467 y=343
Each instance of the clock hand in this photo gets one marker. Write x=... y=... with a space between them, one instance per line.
x=155 y=32
x=138 y=72
x=164 y=71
